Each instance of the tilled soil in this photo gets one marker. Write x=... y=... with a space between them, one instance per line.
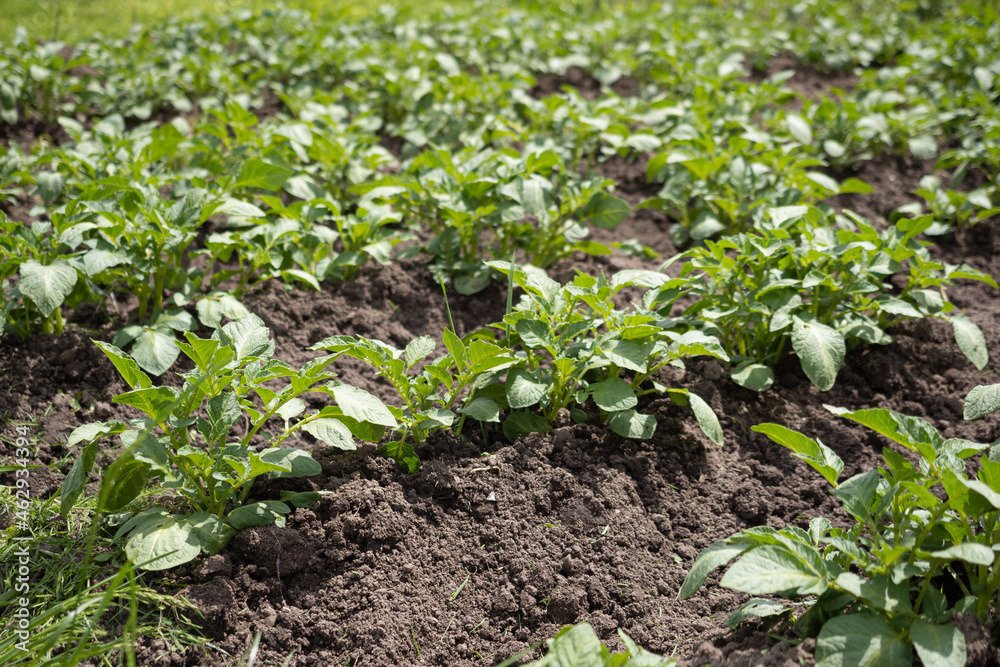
x=493 y=546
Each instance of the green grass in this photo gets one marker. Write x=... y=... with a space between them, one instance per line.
x=73 y=20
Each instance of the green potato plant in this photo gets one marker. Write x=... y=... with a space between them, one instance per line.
x=498 y=203
x=797 y=279
x=579 y=644
x=576 y=345
x=205 y=443
x=921 y=546
x=952 y=209
x=46 y=279
x=720 y=177
x=435 y=394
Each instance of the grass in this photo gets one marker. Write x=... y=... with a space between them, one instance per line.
x=73 y=20
x=77 y=610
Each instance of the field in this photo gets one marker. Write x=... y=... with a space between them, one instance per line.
x=528 y=333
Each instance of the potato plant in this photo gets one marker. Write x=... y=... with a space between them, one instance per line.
x=798 y=280
x=921 y=546
x=580 y=645
x=206 y=443
x=577 y=346
x=435 y=394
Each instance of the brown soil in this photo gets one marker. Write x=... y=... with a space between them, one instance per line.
x=893 y=178
x=493 y=545
x=589 y=88
x=807 y=81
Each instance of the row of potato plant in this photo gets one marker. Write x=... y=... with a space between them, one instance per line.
x=920 y=549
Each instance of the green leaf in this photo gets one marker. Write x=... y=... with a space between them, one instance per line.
x=708 y=561
x=210 y=532
x=857 y=493
x=223 y=411
x=97 y=260
x=248 y=336
x=304 y=187
x=199 y=350
x=47 y=286
x=522 y=423
x=938 y=645
x=291 y=409
x=298 y=462
x=774 y=569
x=73 y=485
x=819 y=456
x=259 y=174
x=50 y=185
x=757 y=377
x=913 y=433
x=263 y=513
x=861 y=640
x=707 y=419
x=90 y=432
x=532 y=193
x=483 y=410
x=799 y=128
x=418 y=349
x=217 y=305
x=880 y=591
x=302 y=276
x=613 y=395
x=155 y=350
x=577 y=647
x=970 y=552
x=923 y=146
x=166 y=541
x=821 y=351
x=970 y=340
x=525 y=388
x=240 y=208
x=157 y=402
x=755 y=608
x=302 y=498
x=982 y=400
x=456 y=348
x=124 y=480
x=631 y=424
x=625 y=353
x=606 y=211
x=332 y=432
x=534 y=333
x=401 y=452
x=360 y=405
x=779 y=215
x=127 y=368
x=437 y=418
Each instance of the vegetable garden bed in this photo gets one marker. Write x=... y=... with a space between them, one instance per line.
x=489 y=531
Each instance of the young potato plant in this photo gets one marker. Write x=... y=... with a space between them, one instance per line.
x=797 y=279
x=951 y=209
x=576 y=345
x=921 y=547
x=47 y=278
x=714 y=183
x=200 y=444
x=437 y=395
x=495 y=204
x=579 y=645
